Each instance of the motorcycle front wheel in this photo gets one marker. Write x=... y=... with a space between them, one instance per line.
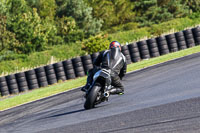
x=92 y=97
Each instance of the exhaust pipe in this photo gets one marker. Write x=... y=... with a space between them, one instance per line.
x=106 y=94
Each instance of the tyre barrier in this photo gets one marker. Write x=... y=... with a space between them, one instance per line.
x=172 y=43
x=143 y=49
x=32 y=79
x=50 y=73
x=162 y=45
x=12 y=84
x=69 y=69
x=181 y=40
x=41 y=77
x=87 y=63
x=189 y=38
x=22 y=82
x=196 y=34
x=78 y=67
x=59 y=71
x=3 y=87
x=153 y=47
x=134 y=52
x=126 y=53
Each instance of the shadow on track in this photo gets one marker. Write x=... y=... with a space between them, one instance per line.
x=72 y=112
x=67 y=113
x=62 y=114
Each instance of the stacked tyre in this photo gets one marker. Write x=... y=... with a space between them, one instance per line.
x=3 y=87
x=22 y=82
x=189 y=38
x=32 y=79
x=172 y=44
x=60 y=72
x=181 y=40
x=126 y=53
x=78 y=67
x=12 y=84
x=41 y=77
x=196 y=34
x=94 y=56
x=134 y=52
x=50 y=73
x=69 y=69
x=162 y=45
x=144 y=50
x=87 y=63
x=153 y=47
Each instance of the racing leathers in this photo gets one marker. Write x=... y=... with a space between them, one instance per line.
x=114 y=60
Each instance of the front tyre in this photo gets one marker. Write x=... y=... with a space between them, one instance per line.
x=92 y=96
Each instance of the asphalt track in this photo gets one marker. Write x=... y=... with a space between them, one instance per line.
x=163 y=98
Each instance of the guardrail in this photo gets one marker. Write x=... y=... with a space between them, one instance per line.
x=78 y=67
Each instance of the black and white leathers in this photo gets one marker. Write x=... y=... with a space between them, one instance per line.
x=112 y=59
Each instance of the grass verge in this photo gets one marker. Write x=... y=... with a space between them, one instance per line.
x=12 y=101
x=155 y=30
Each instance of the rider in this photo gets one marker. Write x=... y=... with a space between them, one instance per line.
x=110 y=59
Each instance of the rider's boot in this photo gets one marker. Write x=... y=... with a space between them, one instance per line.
x=116 y=91
x=89 y=80
x=85 y=88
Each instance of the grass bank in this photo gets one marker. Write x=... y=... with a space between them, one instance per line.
x=27 y=62
x=9 y=102
x=155 y=30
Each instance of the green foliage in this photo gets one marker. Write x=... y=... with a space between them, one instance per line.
x=16 y=7
x=156 y=11
x=50 y=31
x=29 y=26
x=123 y=27
x=156 y=29
x=7 y=38
x=96 y=43
x=113 y=12
x=129 y=36
x=130 y=26
x=176 y=25
x=46 y=8
x=193 y=4
x=3 y=7
x=194 y=16
x=10 y=55
x=23 y=62
x=68 y=29
x=30 y=32
x=82 y=13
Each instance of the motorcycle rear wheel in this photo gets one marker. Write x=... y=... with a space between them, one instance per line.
x=92 y=96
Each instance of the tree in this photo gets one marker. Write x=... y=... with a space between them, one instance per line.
x=177 y=8
x=15 y=7
x=68 y=30
x=112 y=12
x=96 y=43
x=82 y=14
x=45 y=8
x=31 y=31
x=3 y=7
x=7 y=38
x=194 y=5
x=156 y=11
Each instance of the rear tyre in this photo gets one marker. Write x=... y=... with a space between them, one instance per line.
x=91 y=97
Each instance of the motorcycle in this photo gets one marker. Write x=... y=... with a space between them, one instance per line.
x=98 y=90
